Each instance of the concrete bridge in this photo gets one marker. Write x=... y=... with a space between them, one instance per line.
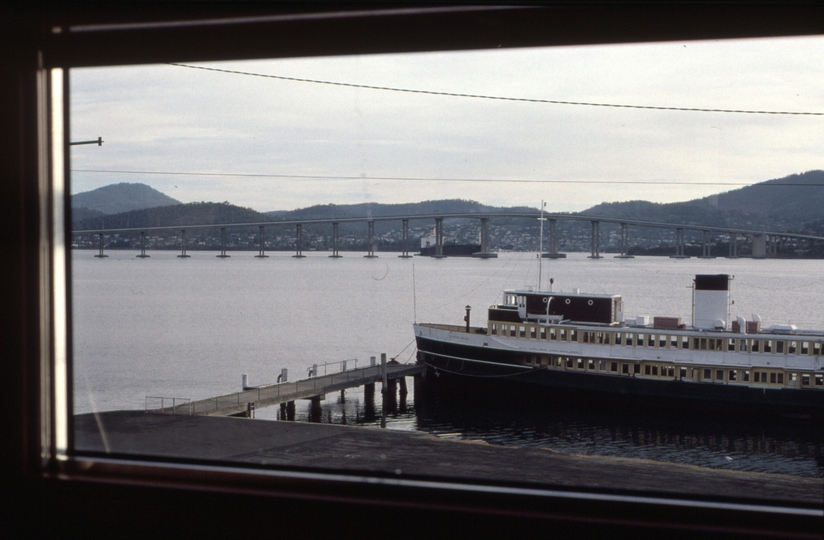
x=764 y=243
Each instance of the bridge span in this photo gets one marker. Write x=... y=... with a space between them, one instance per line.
x=764 y=243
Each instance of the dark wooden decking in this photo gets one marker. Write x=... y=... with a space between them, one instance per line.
x=413 y=455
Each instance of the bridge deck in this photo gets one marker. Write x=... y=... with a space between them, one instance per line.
x=274 y=394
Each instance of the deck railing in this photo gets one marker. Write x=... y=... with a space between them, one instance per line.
x=273 y=393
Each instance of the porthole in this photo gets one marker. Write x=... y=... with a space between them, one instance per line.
x=589 y=302
x=567 y=301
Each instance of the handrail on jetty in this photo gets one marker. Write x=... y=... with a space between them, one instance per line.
x=237 y=403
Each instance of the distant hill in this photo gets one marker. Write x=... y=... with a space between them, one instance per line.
x=784 y=204
x=208 y=213
x=316 y=236
x=446 y=206
x=82 y=214
x=685 y=212
x=123 y=197
x=790 y=204
x=799 y=195
x=451 y=206
x=179 y=214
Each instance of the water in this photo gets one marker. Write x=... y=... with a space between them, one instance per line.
x=172 y=327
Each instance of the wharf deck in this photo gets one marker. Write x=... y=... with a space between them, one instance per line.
x=274 y=394
x=414 y=455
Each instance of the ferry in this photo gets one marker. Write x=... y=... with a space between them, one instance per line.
x=581 y=343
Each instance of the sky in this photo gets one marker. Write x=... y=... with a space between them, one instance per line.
x=270 y=143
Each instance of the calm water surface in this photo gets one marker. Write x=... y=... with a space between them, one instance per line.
x=165 y=326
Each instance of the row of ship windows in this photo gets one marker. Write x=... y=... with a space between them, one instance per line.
x=661 y=341
x=777 y=377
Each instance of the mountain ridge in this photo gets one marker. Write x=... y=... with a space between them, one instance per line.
x=122 y=197
x=789 y=204
x=780 y=204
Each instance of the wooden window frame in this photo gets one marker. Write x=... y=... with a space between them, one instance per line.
x=68 y=485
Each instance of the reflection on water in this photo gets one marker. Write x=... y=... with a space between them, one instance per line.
x=706 y=438
x=740 y=442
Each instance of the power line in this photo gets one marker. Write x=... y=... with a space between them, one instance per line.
x=498 y=98
x=417 y=179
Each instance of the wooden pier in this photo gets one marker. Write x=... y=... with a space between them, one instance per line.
x=244 y=402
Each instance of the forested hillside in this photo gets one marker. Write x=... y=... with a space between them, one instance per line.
x=788 y=204
x=116 y=198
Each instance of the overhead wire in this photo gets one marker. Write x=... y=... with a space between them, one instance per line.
x=496 y=98
x=421 y=179
x=461 y=95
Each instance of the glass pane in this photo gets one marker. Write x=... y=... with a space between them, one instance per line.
x=190 y=313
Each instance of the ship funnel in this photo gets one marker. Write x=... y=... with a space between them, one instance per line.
x=711 y=300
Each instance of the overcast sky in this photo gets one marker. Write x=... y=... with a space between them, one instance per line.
x=311 y=143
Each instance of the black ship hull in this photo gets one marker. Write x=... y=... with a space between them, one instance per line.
x=462 y=364
x=452 y=250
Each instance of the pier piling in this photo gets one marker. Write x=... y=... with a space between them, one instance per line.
x=624 y=243
x=706 y=252
x=261 y=254
x=553 y=242
x=101 y=254
x=315 y=412
x=595 y=241
x=298 y=242
x=391 y=397
x=733 y=246
x=439 y=238
x=405 y=241
x=370 y=254
x=183 y=251
x=679 y=245
x=403 y=394
x=223 y=244
x=484 y=253
x=142 y=246
x=335 y=254
x=369 y=401
x=383 y=390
